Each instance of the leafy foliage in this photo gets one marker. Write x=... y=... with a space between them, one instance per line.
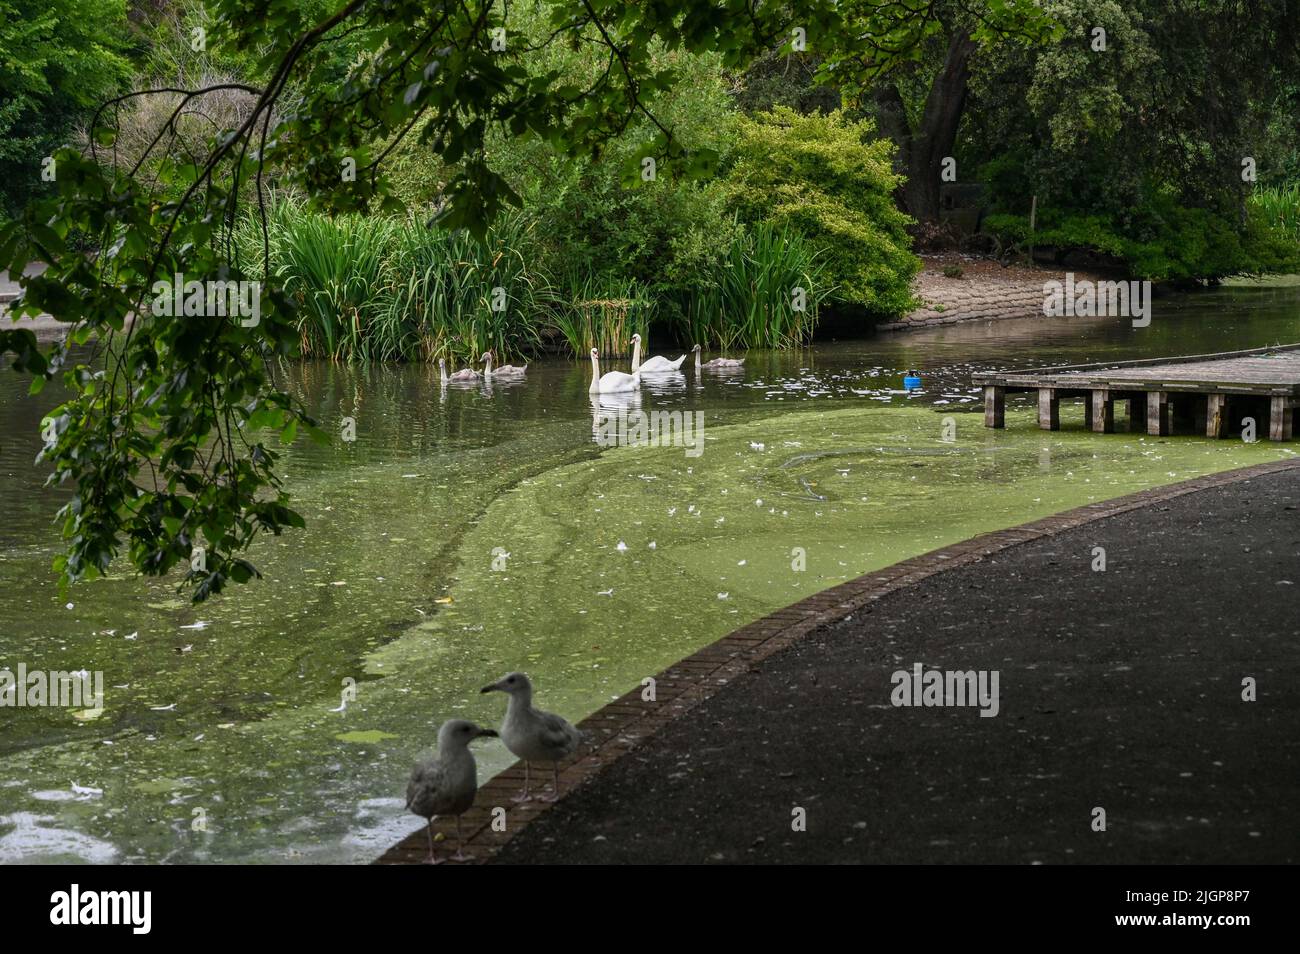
x=58 y=58
x=824 y=177
x=161 y=439
x=1138 y=149
x=1163 y=241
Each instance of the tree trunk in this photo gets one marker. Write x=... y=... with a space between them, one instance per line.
x=923 y=150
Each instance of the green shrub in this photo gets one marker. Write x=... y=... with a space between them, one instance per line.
x=1162 y=240
x=824 y=177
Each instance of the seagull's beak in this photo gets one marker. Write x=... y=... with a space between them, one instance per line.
x=491 y=688
x=490 y=733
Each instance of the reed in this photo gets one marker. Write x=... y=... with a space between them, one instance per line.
x=602 y=312
x=378 y=289
x=1280 y=207
x=449 y=296
x=382 y=289
x=752 y=301
x=333 y=270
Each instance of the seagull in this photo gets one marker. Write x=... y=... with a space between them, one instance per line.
x=531 y=734
x=447 y=783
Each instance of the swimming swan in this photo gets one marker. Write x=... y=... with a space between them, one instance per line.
x=505 y=371
x=655 y=365
x=717 y=364
x=612 y=380
x=464 y=374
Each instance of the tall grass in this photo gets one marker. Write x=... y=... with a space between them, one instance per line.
x=374 y=289
x=448 y=295
x=333 y=270
x=602 y=312
x=1280 y=207
x=380 y=289
x=751 y=301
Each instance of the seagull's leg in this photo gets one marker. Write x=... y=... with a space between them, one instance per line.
x=524 y=796
x=460 y=845
x=555 y=791
x=431 y=860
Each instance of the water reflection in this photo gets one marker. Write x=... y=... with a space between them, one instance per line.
x=663 y=383
x=393 y=585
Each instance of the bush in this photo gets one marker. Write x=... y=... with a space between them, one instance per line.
x=1162 y=240
x=595 y=216
x=824 y=177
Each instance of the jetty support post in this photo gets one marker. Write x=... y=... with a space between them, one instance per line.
x=1137 y=412
x=995 y=406
x=1216 y=417
x=1049 y=409
x=1103 y=411
x=1280 y=418
x=1158 y=417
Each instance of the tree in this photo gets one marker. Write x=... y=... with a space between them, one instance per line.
x=927 y=55
x=58 y=59
x=1140 y=131
x=164 y=443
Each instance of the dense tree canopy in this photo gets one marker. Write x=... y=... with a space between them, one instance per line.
x=164 y=443
x=57 y=57
x=607 y=120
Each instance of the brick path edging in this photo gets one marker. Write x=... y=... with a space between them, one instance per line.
x=627 y=722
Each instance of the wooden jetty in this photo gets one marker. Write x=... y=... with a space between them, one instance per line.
x=1199 y=394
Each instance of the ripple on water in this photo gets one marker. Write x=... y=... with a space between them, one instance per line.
x=393 y=585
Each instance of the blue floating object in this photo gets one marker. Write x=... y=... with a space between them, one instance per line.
x=911 y=381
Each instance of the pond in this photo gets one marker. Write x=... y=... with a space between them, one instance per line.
x=466 y=532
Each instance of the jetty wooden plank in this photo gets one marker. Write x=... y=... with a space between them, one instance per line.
x=1212 y=381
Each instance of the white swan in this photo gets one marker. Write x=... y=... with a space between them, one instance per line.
x=464 y=374
x=612 y=380
x=505 y=371
x=717 y=364
x=655 y=365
